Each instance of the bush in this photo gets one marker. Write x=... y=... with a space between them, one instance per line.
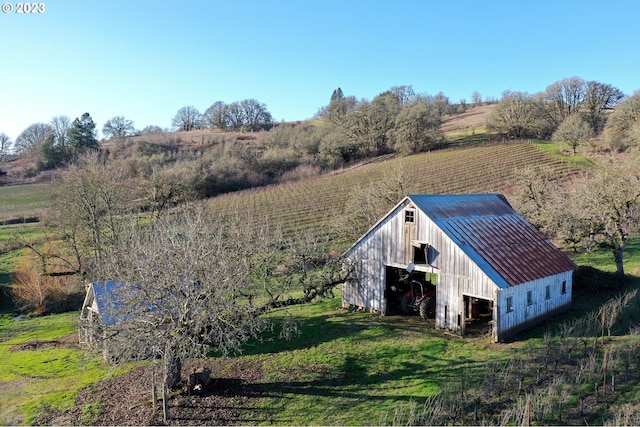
x=42 y=294
x=590 y=279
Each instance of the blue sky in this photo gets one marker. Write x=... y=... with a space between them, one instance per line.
x=145 y=59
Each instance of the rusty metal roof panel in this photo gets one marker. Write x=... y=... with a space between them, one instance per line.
x=485 y=226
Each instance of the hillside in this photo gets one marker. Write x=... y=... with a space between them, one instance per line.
x=21 y=170
x=319 y=203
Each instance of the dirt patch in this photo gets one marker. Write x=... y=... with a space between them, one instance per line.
x=68 y=341
x=231 y=398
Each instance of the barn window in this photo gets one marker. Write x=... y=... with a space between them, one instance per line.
x=564 y=286
x=547 y=292
x=509 y=304
x=410 y=215
x=529 y=297
x=420 y=252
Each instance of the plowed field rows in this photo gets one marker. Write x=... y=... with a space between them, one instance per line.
x=318 y=203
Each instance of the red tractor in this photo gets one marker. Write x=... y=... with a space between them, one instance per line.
x=418 y=299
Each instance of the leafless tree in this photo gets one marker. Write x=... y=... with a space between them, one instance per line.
x=187 y=118
x=60 y=126
x=607 y=207
x=573 y=131
x=216 y=116
x=192 y=282
x=256 y=115
x=563 y=98
x=31 y=139
x=5 y=145
x=87 y=208
x=599 y=98
x=118 y=127
x=622 y=130
x=597 y=210
x=404 y=93
x=516 y=114
x=476 y=98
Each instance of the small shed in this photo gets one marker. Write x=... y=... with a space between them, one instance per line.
x=104 y=320
x=480 y=259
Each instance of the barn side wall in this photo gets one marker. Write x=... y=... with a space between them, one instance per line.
x=526 y=312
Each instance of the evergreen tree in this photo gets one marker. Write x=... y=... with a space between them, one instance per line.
x=82 y=135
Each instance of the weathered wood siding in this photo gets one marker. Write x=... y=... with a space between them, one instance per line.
x=383 y=246
x=458 y=275
x=526 y=313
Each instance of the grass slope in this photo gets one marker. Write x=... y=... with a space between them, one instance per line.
x=23 y=200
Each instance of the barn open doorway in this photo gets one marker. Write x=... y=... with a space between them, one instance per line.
x=478 y=315
x=410 y=292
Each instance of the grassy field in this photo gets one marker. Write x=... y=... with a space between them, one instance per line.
x=24 y=200
x=42 y=368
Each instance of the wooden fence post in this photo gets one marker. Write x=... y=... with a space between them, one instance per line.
x=154 y=391
x=165 y=403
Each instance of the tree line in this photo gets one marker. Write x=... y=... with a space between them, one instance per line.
x=347 y=130
x=570 y=110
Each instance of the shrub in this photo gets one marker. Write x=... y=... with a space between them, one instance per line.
x=590 y=279
x=41 y=294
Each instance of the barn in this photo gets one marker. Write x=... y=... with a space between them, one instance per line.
x=472 y=257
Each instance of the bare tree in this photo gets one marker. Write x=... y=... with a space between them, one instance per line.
x=564 y=98
x=606 y=208
x=31 y=139
x=87 y=209
x=516 y=114
x=623 y=127
x=187 y=118
x=60 y=126
x=236 y=115
x=118 y=127
x=256 y=115
x=600 y=98
x=476 y=98
x=192 y=282
x=404 y=93
x=216 y=116
x=5 y=145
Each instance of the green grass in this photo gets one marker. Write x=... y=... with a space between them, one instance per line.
x=563 y=153
x=46 y=378
x=24 y=200
x=355 y=368
x=603 y=259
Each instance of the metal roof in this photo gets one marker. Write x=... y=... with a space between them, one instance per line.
x=485 y=226
x=106 y=297
x=117 y=301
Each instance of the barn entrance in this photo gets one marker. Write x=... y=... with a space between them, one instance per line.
x=478 y=316
x=410 y=292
